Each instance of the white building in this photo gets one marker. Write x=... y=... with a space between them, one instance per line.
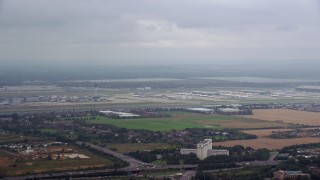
x=228 y=111
x=119 y=114
x=215 y=152
x=204 y=150
x=201 y=110
x=203 y=147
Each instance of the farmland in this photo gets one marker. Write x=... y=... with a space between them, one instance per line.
x=263 y=141
x=5 y=159
x=268 y=142
x=280 y=116
x=264 y=132
x=183 y=120
x=286 y=116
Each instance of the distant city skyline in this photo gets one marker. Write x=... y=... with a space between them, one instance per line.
x=158 y=32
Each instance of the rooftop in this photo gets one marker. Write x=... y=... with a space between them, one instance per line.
x=200 y=109
x=294 y=172
x=228 y=110
x=206 y=141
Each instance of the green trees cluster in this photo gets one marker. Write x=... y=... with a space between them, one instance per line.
x=239 y=153
x=172 y=156
x=217 y=162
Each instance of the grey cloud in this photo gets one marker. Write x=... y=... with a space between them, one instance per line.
x=284 y=27
x=143 y=30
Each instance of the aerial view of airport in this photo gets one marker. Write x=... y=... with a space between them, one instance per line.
x=154 y=91
x=153 y=128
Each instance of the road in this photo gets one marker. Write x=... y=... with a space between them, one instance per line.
x=135 y=166
x=188 y=175
x=273 y=155
x=258 y=163
x=226 y=169
x=88 y=173
x=133 y=163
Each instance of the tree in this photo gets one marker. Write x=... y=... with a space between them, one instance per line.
x=3 y=172
x=49 y=157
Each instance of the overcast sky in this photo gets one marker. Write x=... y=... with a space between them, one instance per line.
x=158 y=31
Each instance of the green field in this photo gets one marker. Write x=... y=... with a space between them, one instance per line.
x=5 y=154
x=59 y=165
x=9 y=138
x=183 y=120
x=159 y=124
x=13 y=138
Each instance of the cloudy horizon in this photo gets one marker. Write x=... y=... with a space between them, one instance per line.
x=158 y=32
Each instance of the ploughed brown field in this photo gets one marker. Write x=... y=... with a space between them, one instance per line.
x=267 y=132
x=264 y=142
x=260 y=133
x=269 y=143
x=286 y=116
x=5 y=162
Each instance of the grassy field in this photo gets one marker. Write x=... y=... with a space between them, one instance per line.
x=59 y=165
x=5 y=154
x=13 y=138
x=132 y=147
x=287 y=116
x=183 y=120
x=8 y=138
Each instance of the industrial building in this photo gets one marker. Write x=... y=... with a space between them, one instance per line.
x=204 y=150
x=239 y=110
x=308 y=88
x=228 y=111
x=119 y=114
x=201 y=110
